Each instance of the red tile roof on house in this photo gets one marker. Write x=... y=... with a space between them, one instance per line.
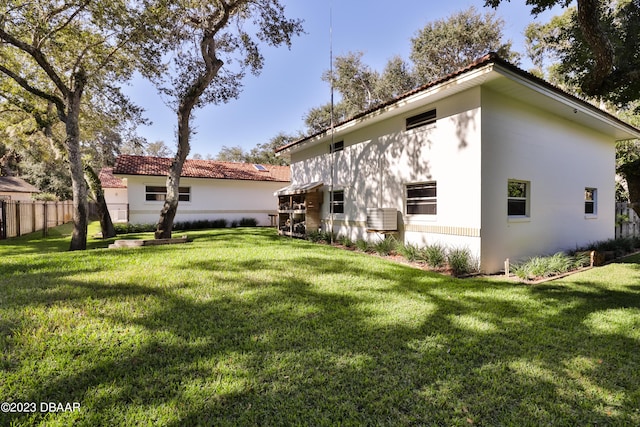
x=108 y=180
x=159 y=166
x=12 y=184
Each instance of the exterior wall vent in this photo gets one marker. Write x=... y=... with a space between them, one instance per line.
x=382 y=219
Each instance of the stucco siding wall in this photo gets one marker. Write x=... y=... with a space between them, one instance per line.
x=379 y=160
x=117 y=203
x=559 y=159
x=210 y=199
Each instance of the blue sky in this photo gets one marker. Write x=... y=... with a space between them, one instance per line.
x=290 y=83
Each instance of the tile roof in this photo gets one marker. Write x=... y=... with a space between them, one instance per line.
x=108 y=180
x=12 y=184
x=159 y=166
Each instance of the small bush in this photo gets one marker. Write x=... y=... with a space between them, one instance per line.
x=345 y=241
x=410 y=251
x=460 y=261
x=434 y=255
x=319 y=236
x=537 y=267
x=248 y=222
x=134 y=228
x=385 y=246
x=314 y=236
x=363 y=245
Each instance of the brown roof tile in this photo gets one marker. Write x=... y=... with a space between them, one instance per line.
x=108 y=180
x=12 y=184
x=159 y=166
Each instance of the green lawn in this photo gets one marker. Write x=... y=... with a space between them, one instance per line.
x=241 y=327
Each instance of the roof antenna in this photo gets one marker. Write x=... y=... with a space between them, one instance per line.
x=331 y=121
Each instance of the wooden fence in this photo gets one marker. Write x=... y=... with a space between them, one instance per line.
x=18 y=218
x=627 y=221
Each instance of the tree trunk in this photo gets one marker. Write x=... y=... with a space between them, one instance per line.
x=631 y=173
x=78 y=184
x=164 y=226
x=106 y=225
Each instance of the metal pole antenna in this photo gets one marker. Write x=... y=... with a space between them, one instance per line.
x=332 y=124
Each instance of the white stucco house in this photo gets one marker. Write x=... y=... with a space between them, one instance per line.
x=208 y=189
x=115 y=194
x=490 y=158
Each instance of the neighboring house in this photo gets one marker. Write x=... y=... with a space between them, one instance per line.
x=16 y=189
x=115 y=194
x=490 y=158
x=208 y=189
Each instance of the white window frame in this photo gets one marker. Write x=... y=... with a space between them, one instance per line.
x=184 y=193
x=424 y=200
x=526 y=198
x=591 y=198
x=334 y=203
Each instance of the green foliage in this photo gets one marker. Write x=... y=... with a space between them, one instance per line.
x=446 y=45
x=385 y=246
x=201 y=224
x=320 y=236
x=410 y=251
x=596 y=53
x=344 y=240
x=461 y=262
x=434 y=255
x=439 y=48
x=363 y=245
x=537 y=267
x=263 y=154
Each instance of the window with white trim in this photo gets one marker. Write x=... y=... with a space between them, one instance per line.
x=422 y=199
x=518 y=198
x=337 y=201
x=590 y=201
x=158 y=193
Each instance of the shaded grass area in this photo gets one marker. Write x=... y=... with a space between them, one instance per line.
x=241 y=327
x=57 y=240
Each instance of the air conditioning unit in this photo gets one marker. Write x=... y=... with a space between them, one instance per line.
x=382 y=219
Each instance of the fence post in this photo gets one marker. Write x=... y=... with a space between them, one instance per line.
x=18 y=233
x=3 y=219
x=33 y=216
x=45 y=219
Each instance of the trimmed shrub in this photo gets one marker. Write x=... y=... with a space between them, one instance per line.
x=410 y=251
x=541 y=267
x=319 y=236
x=460 y=261
x=344 y=241
x=362 y=245
x=248 y=222
x=385 y=246
x=314 y=236
x=434 y=255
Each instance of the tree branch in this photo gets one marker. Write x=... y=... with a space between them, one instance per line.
x=37 y=55
x=59 y=103
x=599 y=44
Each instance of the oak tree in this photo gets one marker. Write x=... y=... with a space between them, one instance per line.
x=214 y=43
x=62 y=50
